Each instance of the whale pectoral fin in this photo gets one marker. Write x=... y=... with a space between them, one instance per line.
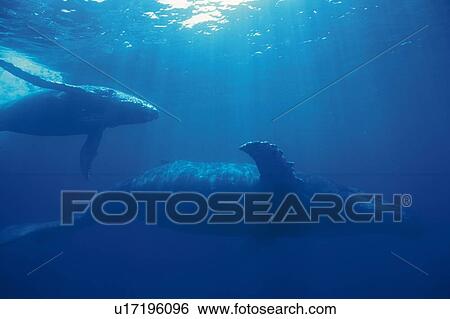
x=89 y=151
x=274 y=169
x=37 y=81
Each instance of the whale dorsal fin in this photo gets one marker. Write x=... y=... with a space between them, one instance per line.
x=273 y=166
x=37 y=81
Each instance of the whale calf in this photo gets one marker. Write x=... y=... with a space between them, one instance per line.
x=63 y=109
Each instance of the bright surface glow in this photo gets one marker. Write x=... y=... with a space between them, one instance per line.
x=199 y=11
x=177 y=4
x=202 y=18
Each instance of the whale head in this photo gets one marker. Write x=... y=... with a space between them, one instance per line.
x=132 y=110
x=123 y=109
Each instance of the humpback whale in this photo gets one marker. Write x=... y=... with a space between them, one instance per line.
x=272 y=172
x=63 y=109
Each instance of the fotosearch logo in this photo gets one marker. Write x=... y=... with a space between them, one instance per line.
x=120 y=208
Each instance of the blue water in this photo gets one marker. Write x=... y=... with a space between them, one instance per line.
x=226 y=69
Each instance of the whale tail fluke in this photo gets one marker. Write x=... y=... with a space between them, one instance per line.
x=16 y=232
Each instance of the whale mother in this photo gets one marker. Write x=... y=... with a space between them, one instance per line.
x=271 y=172
x=64 y=109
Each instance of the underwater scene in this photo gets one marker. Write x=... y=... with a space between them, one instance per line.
x=283 y=97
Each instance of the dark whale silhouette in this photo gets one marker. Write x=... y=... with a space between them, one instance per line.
x=272 y=173
x=64 y=109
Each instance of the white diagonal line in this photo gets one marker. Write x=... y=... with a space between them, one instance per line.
x=410 y=264
x=343 y=77
x=103 y=72
x=46 y=263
